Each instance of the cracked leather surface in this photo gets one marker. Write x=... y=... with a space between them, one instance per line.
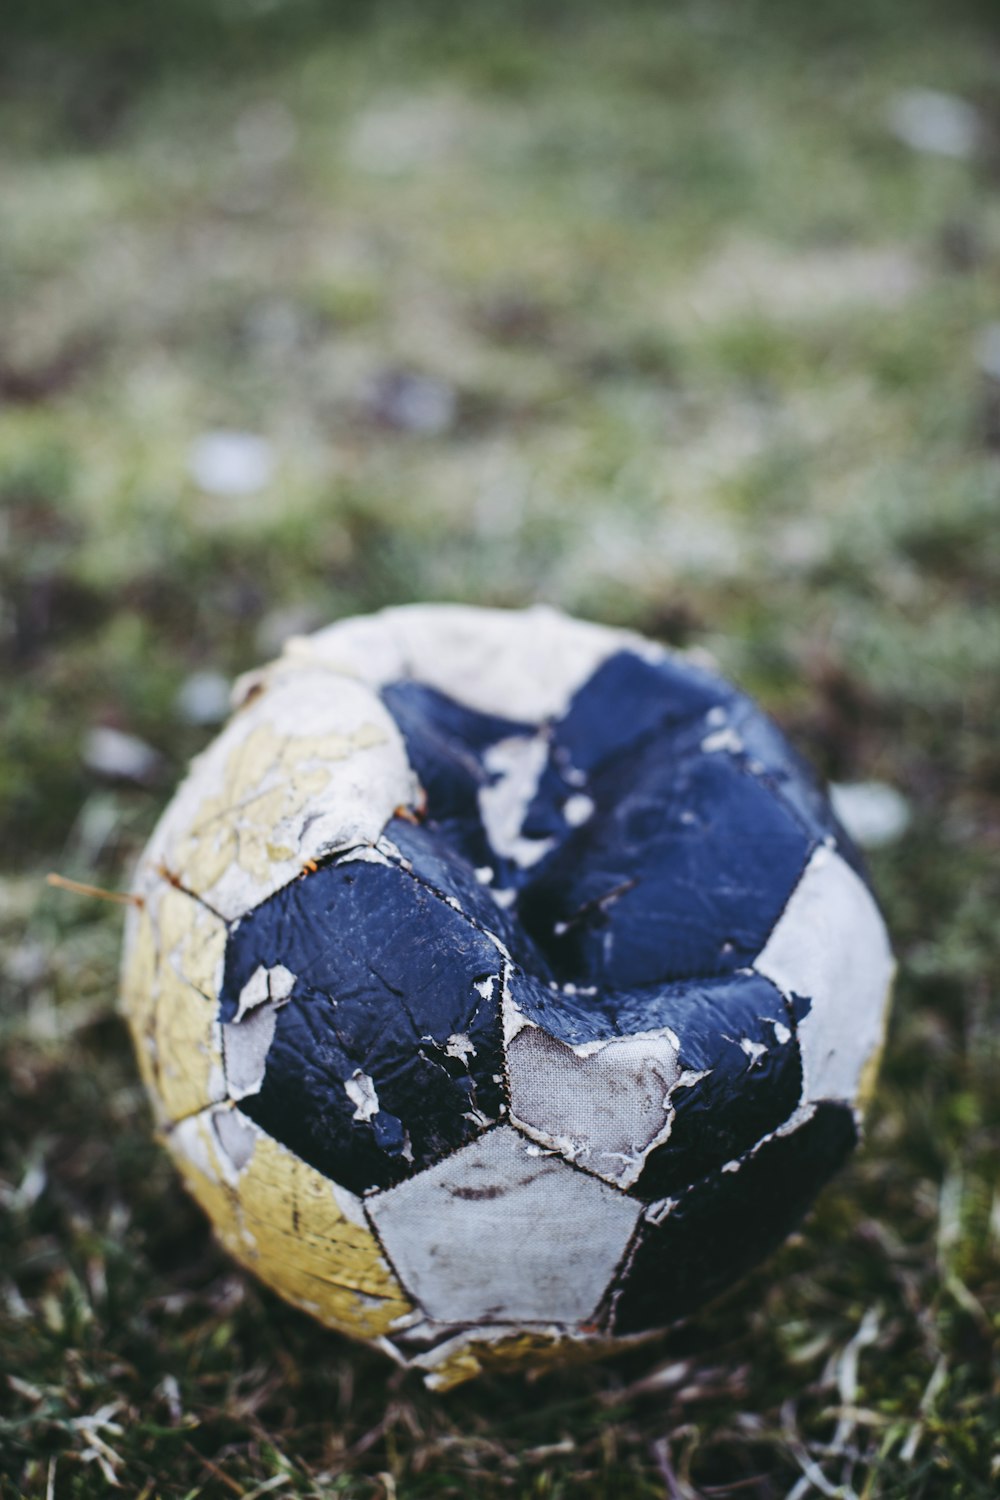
x=472 y=927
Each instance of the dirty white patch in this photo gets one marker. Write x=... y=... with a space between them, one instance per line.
x=930 y=121
x=578 y=809
x=236 y=1137
x=503 y=951
x=350 y=1205
x=516 y=765
x=484 y=874
x=754 y=1050
x=245 y=1045
x=691 y=1076
x=514 y=1019
x=484 y=987
x=782 y=1035
x=471 y=1239
x=873 y=813
x=657 y=1212
x=460 y=1046
x=722 y=739
x=603 y=1106
x=372 y=854
x=799 y=1117
x=216 y=1077
x=281 y=982
x=830 y=947
x=523 y=664
x=360 y=1089
x=188 y=1138
x=274 y=984
x=662 y=1034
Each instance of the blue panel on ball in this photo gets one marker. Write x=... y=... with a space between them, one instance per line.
x=683 y=870
x=728 y=1221
x=739 y=1048
x=446 y=743
x=428 y=852
x=385 y=991
x=627 y=701
x=768 y=753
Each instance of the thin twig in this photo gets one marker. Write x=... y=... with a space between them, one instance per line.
x=80 y=888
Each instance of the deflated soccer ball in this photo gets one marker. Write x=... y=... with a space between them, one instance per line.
x=504 y=985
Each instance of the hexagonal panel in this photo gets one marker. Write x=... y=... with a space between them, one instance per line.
x=831 y=947
x=604 y=1106
x=298 y=1231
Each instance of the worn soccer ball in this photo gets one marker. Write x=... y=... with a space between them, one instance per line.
x=504 y=985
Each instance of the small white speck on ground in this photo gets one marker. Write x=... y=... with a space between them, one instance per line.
x=231 y=464
x=118 y=756
x=933 y=122
x=204 y=698
x=873 y=813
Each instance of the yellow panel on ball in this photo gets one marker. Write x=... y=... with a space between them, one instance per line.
x=304 y=1237
x=138 y=993
x=169 y=994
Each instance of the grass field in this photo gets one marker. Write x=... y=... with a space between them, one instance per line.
x=647 y=311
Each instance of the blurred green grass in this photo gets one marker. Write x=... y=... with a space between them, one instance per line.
x=693 y=344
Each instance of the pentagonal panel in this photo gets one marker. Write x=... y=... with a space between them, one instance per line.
x=504 y=1232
